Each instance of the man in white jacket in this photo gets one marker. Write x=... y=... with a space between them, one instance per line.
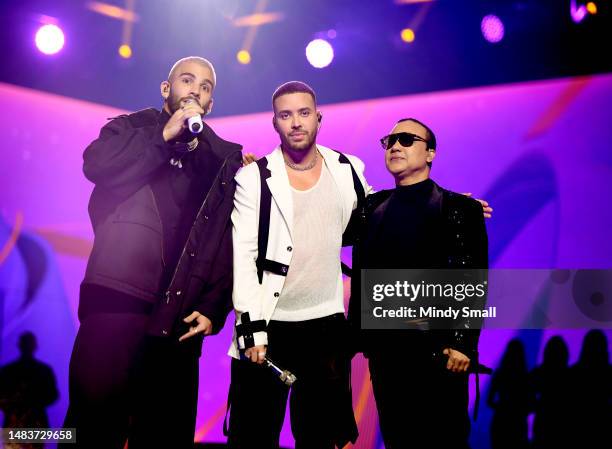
x=295 y=301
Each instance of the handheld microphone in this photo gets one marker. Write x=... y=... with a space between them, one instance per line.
x=246 y=329
x=194 y=123
x=286 y=376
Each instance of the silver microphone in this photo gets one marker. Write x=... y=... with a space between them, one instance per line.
x=194 y=123
x=286 y=376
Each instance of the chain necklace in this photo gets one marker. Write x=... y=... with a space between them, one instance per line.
x=191 y=146
x=309 y=166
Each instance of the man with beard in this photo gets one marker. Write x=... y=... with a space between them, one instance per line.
x=292 y=291
x=159 y=277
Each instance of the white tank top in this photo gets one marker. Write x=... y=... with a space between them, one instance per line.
x=311 y=288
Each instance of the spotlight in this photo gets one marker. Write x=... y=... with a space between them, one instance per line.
x=243 y=57
x=125 y=51
x=492 y=28
x=319 y=53
x=408 y=35
x=49 y=39
x=591 y=8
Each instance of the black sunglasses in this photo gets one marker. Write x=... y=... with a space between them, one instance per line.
x=405 y=140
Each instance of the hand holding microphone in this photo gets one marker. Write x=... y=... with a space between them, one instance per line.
x=194 y=123
x=182 y=119
x=257 y=354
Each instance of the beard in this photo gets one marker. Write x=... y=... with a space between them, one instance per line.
x=175 y=102
x=308 y=141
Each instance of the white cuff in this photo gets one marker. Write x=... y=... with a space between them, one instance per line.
x=261 y=338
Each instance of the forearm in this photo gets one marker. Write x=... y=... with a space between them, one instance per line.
x=123 y=155
x=247 y=293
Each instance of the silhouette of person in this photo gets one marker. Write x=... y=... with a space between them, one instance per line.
x=550 y=382
x=510 y=398
x=591 y=393
x=27 y=388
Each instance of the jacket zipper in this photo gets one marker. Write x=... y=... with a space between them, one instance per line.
x=196 y=219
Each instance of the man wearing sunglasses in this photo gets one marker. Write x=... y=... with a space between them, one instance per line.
x=419 y=225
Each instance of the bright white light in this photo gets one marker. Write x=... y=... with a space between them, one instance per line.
x=319 y=53
x=49 y=39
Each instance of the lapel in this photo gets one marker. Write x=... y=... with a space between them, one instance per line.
x=342 y=176
x=376 y=206
x=278 y=183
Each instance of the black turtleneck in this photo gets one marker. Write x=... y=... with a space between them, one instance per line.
x=408 y=236
x=179 y=193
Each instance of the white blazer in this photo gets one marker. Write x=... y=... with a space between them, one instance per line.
x=248 y=294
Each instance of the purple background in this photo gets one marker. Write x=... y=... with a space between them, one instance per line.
x=539 y=152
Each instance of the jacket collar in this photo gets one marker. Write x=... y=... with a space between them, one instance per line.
x=280 y=188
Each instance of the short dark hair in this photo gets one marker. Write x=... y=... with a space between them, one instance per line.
x=293 y=87
x=429 y=134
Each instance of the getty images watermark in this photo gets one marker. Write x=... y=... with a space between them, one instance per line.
x=495 y=299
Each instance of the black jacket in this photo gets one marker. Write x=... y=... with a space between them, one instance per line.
x=128 y=250
x=464 y=244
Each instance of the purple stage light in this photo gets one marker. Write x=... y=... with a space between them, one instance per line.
x=319 y=53
x=492 y=28
x=49 y=39
x=578 y=13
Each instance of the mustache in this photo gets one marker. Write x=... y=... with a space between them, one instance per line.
x=176 y=105
x=188 y=99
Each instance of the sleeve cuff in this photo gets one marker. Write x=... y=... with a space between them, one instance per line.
x=261 y=339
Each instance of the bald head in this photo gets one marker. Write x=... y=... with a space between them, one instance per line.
x=192 y=59
x=190 y=78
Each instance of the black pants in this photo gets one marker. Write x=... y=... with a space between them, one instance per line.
x=124 y=384
x=420 y=403
x=320 y=400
